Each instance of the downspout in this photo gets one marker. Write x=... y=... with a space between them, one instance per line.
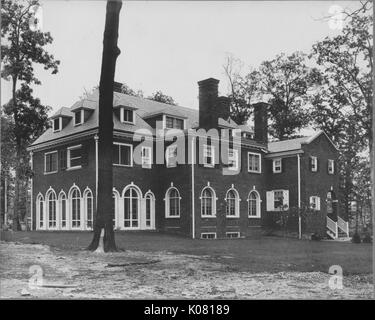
x=299 y=196
x=192 y=187
x=5 y=201
x=32 y=190
x=96 y=171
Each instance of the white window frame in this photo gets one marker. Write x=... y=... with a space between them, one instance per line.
x=79 y=207
x=213 y=202
x=122 y=114
x=45 y=162
x=82 y=118
x=208 y=233
x=119 y=154
x=167 y=158
x=86 y=195
x=62 y=196
x=69 y=167
x=315 y=203
x=233 y=158
x=258 y=204
x=260 y=162
x=275 y=168
x=236 y=204
x=233 y=233
x=206 y=147
x=40 y=203
x=50 y=192
x=60 y=124
x=314 y=164
x=166 y=201
x=331 y=166
x=148 y=164
x=165 y=122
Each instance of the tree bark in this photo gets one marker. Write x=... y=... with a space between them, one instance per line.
x=104 y=212
x=16 y=223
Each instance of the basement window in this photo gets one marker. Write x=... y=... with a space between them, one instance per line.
x=232 y=234
x=208 y=235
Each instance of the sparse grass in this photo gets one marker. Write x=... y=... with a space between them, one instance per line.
x=264 y=254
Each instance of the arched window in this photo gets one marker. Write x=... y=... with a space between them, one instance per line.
x=172 y=199
x=150 y=203
x=51 y=208
x=131 y=208
x=208 y=202
x=253 y=204
x=40 y=211
x=62 y=208
x=115 y=206
x=233 y=203
x=89 y=208
x=75 y=207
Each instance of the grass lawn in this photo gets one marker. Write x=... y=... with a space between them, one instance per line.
x=264 y=254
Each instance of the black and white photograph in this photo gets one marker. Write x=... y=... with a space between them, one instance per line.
x=199 y=151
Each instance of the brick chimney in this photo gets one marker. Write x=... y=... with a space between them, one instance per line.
x=223 y=106
x=260 y=122
x=211 y=107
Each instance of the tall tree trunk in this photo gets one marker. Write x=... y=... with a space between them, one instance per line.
x=104 y=212
x=16 y=222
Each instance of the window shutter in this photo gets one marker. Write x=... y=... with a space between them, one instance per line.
x=317 y=203
x=270 y=201
x=317 y=164
x=63 y=159
x=334 y=167
x=85 y=155
x=310 y=163
x=286 y=197
x=282 y=164
x=310 y=202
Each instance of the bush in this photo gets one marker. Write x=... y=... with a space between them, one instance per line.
x=367 y=238
x=356 y=238
x=316 y=237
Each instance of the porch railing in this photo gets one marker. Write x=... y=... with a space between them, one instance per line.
x=343 y=225
x=332 y=226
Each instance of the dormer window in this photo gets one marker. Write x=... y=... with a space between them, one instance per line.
x=57 y=124
x=174 y=123
x=127 y=116
x=78 y=117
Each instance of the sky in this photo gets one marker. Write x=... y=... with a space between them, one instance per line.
x=171 y=45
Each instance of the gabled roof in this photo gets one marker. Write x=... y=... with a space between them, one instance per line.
x=295 y=144
x=62 y=112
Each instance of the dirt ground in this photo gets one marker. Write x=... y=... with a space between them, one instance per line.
x=155 y=275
